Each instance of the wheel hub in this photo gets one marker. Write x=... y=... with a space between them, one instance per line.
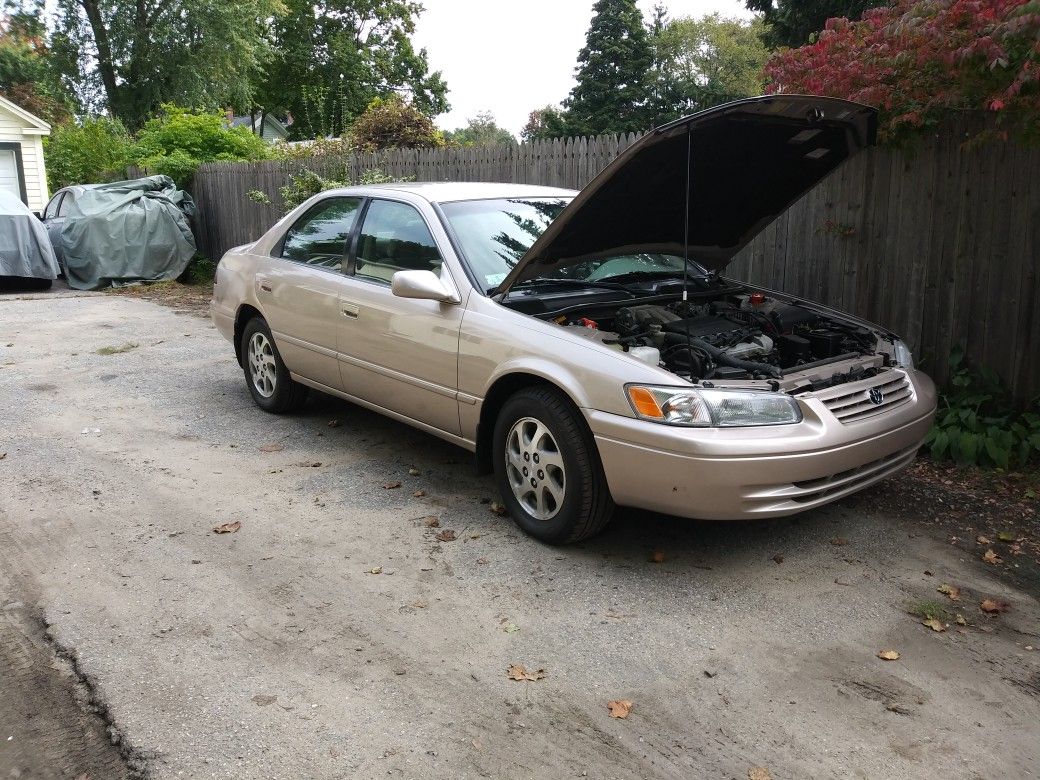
x=540 y=491
x=263 y=371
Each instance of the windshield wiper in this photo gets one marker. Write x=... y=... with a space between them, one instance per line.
x=549 y=281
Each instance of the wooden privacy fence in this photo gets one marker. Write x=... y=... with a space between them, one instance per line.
x=940 y=243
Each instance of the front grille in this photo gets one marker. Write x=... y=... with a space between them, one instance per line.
x=853 y=402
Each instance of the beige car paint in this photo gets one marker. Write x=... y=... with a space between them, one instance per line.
x=431 y=364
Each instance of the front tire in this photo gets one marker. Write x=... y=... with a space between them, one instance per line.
x=547 y=468
x=267 y=378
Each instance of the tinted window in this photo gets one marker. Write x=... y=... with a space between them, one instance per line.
x=52 y=207
x=394 y=238
x=320 y=236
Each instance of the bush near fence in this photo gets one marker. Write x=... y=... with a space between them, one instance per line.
x=939 y=242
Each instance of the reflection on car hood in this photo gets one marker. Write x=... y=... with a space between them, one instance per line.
x=732 y=169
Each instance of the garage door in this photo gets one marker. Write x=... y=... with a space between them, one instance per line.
x=9 y=173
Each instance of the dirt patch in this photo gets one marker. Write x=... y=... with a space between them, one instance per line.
x=187 y=298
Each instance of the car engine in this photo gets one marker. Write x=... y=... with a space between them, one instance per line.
x=748 y=336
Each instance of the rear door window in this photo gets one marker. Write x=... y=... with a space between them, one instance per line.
x=52 y=208
x=320 y=236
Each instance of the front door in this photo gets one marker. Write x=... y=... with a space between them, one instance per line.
x=299 y=288
x=398 y=353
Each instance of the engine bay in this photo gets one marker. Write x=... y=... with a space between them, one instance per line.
x=740 y=335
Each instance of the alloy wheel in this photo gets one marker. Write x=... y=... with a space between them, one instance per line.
x=534 y=467
x=263 y=370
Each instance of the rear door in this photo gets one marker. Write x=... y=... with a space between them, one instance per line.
x=398 y=353
x=299 y=288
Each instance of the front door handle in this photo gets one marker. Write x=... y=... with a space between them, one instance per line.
x=350 y=310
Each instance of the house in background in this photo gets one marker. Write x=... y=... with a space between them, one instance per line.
x=265 y=126
x=22 y=170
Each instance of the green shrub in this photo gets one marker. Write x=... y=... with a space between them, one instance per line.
x=308 y=183
x=979 y=424
x=96 y=151
x=392 y=123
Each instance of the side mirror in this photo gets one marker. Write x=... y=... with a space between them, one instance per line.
x=422 y=285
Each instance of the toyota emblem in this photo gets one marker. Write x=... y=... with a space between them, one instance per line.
x=876 y=396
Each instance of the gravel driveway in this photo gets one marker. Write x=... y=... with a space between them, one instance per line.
x=334 y=635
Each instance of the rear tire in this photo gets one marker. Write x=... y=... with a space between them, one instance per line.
x=267 y=378
x=547 y=468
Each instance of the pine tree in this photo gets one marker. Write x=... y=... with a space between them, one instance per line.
x=611 y=93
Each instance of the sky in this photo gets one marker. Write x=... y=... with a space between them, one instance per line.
x=511 y=57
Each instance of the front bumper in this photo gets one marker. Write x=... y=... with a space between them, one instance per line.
x=743 y=473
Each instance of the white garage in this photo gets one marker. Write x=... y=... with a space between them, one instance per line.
x=22 y=171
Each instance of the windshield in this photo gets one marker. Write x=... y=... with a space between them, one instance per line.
x=494 y=234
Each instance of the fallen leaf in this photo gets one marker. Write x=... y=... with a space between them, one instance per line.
x=934 y=623
x=228 y=528
x=263 y=699
x=309 y=464
x=374 y=570
x=431 y=522
x=994 y=607
x=657 y=556
x=414 y=472
x=839 y=541
x=959 y=620
x=3 y=455
x=991 y=557
x=619 y=708
x=391 y=485
x=778 y=558
x=759 y=773
x=709 y=674
x=888 y=655
x=419 y=493
x=333 y=423
x=950 y=590
x=519 y=672
x=982 y=540
x=482 y=561
x=497 y=508
x=1006 y=536
x=510 y=628
x=447 y=535
x=272 y=447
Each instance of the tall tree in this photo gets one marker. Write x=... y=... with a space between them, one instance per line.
x=28 y=75
x=543 y=124
x=794 y=22
x=481 y=130
x=131 y=56
x=699 y=63
x=333 y=57
x=611 y=93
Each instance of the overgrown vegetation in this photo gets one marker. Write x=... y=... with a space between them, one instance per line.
x=393 y=123
x=308 y=183
x=978 y=423
x=96 y=151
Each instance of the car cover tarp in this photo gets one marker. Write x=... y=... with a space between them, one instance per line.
x=25 y=248
x=128 y=231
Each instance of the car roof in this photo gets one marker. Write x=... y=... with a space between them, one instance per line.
x=448 y=191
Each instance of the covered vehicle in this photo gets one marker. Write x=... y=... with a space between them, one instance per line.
x=585 y=345
x=25 y=250
x=125 y=232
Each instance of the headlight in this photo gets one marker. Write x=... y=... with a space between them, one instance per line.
x=704 y=408
x=902 y=355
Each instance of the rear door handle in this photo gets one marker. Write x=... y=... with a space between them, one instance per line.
x=350 y=310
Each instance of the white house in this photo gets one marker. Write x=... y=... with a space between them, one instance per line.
x=22 y=171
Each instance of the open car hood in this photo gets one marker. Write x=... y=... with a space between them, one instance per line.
x=709 y=183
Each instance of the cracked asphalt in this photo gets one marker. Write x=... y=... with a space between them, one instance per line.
x=333 y=635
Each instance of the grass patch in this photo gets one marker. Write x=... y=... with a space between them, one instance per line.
x=117 y=350
x=927 y=609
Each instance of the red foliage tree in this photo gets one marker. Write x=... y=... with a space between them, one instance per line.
x=919 y=58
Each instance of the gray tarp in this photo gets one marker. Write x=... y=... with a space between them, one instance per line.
x=25 y=249
x=128 y=231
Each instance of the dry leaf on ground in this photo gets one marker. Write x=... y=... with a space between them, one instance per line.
x=778 y=558
x=839 y=541
x=994 y=607
x=374 y=570
x=950 y=590
x=333 y=423
x=991 y=556
x=3 y=455
x=934 y=623
x=619 y=708
x=391 y=485
x=888 y=655
x=228 y=528
x=309 y=464
x=959 y=620
x=982 y=540
x=272 y=447
x=1006 y=536
x=447 y=535
x=759 y=773
x=431 y=522
x=497 y=508
x=657 y=556
x=520 y=673
x=414 y=472
x=419 y=493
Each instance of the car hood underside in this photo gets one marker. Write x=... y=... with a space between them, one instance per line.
x=706 y=184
